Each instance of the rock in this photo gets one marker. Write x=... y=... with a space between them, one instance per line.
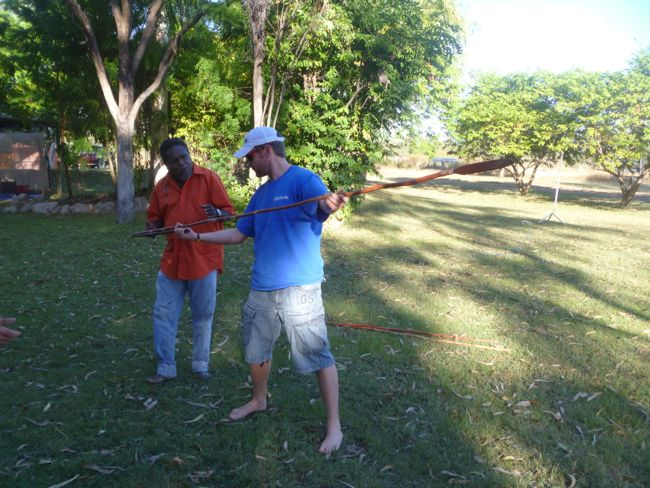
x=27 y=207
x=45 y=207
x=81 y=208
x=23 y=205
x=105 y=207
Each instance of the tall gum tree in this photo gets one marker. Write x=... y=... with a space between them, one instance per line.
x=257 y=11
x=124 y=110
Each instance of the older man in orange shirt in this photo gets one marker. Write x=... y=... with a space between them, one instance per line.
x=186 y=194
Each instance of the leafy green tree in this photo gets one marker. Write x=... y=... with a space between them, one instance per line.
x=615 y=117
x=47 y=77
x=209 y=85
x=135 y=26
x=364 y=68
x=513 y=116
x=338 y=77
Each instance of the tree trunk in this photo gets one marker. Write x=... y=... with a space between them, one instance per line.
x=125 y=207
x=518 y=172
x=159 y=130
x=160 y=109
x=126 y=108
x=257 y=18
x=112 y=164
x=628 y=192
x=59 y=155
x=63 y=158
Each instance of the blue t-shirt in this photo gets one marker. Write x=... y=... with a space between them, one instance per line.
x=287 y=242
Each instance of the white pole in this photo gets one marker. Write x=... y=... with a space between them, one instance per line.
x=557 y=192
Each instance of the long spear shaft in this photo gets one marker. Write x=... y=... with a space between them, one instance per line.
x=458 y=340
x=466 y=169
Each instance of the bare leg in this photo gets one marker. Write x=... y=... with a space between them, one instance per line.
x=260 y=374
x=328 y=379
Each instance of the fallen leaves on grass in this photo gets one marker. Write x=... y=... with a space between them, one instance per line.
x=564 y=447
x=211 y=406
x=345 y=484
x=556 y=415
x=515 y=473
x=88 y=375
x=589 y=396
x=103 y=469
x=195 y=419
x=535 y=381
x=66 y=482
x=42 y=423
x=154 y=457
x=454 y=476
x=199 y=476
x=464 y=397
x=149 y=403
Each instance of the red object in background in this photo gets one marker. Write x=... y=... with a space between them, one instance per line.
x=91 y=159
x=22 y=189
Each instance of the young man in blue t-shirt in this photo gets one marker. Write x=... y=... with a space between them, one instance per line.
x=287 y=274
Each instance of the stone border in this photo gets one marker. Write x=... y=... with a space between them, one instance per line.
x=23 y=204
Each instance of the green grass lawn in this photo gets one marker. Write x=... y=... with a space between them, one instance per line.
x=568 y=403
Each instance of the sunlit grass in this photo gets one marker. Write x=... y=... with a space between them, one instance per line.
x=567 y=401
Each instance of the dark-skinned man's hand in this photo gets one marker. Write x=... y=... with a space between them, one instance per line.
x=153 y=225
x=212 y=212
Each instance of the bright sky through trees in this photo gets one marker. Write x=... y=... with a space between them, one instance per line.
x=505 y=36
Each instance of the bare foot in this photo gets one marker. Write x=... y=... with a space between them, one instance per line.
x=331 y=442
x=245 y=410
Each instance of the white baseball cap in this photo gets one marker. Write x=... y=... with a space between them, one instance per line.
x=258 y=137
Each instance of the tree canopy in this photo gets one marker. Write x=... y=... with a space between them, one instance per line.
x=535 y=119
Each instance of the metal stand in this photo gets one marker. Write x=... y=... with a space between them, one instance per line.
x=549 y=216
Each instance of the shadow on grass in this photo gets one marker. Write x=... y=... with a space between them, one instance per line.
x=414 y=413
x=522 y=287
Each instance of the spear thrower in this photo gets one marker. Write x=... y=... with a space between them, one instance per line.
x=466 y=169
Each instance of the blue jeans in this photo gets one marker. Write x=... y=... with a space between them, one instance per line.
x=170 y=296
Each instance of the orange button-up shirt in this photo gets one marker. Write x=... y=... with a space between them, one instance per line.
x=172 y=204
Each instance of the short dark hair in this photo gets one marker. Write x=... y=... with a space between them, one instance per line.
x=167 y=144
x=278 y=147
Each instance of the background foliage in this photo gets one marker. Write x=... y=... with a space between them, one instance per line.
x=542 y=118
